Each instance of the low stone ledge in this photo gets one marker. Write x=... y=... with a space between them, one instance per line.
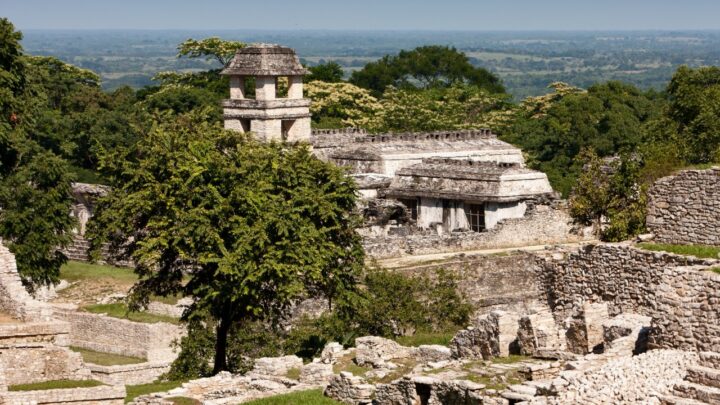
x=56 y=332
x=103 y=395
x=129 y=374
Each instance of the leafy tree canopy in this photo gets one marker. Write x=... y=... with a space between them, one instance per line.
x=212 y=48
x=610 y=195
x=459 y=106
x=608 y=118
x=422 y=68
x=691 y=120
x=34 y=183
x=330 y=72
x=245 y=228
x=340 y=105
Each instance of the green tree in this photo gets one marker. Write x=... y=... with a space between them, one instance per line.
x=212 y=48
x=691 y=120
x=610 y=195
x=244 y=228
x=422 y=68
x=34 y=183
x=459 y=106
x=609 y=118
x=340 y=105
x=590 y=199
x=330 y=72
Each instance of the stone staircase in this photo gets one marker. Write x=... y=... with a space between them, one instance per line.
x=701 y=385
x=78 y=249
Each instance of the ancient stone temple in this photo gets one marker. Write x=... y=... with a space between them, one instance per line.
x=275 y=113
x=467 y=194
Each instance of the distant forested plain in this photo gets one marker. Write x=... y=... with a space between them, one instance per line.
x=526 y=61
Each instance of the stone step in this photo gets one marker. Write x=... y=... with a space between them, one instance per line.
x=699 y=392
x=704 y=375
x=710 y=359
x=673 y=400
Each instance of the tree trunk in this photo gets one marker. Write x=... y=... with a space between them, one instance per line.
x=221 y=345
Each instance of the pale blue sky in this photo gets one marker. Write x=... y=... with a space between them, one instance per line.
x=364 y=14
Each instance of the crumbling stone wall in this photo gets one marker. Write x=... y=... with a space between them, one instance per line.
x=36 y=352
x=679 y=293
x=151 y=341
x=14 y=299
x=543 y=225
x=685 y=208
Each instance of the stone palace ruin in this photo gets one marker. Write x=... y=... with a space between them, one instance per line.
x=559 y=318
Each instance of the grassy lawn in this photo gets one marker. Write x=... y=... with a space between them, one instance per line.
x=702 y=251
x=57 y=384
x=134 y=391
x=426 y=338
x=310 y=397
x=105 y=359
x=120 y=310
x=76 y=271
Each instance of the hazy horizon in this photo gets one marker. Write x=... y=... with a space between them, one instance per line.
x=369 y=15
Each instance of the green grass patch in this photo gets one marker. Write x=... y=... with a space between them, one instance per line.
x=75 y=271
x=716 y=269
x=57 y=384
x=134 y=391
x=170 y=300
x=426 y=338
x=511 y=359
x=293 y=373
x=120 y=310
x=310 y=397
x=347 y=363
x=701 y=166
x=702 y=251
x=183 y=401
x=106 y=359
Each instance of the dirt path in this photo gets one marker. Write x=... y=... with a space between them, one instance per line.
x=406 y=261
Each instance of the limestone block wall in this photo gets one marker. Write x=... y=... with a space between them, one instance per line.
x=625 y=277
x=542 y=225
x=685 y=208
x=688 y=313
x=490 y=282
x=151 y=341
x=32 y=363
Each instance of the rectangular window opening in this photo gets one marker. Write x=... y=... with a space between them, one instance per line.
x=286 y=127
x=412 y=206
x=475 y=214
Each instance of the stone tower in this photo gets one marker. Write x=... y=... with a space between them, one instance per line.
x=267 y=115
